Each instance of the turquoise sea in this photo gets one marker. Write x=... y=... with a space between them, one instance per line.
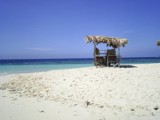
x=36 y=65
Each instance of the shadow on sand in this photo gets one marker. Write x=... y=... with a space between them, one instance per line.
x=127 y=66
x=121 y=66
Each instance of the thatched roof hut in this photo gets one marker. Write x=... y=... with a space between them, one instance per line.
x=158 y=43
x=110 y=41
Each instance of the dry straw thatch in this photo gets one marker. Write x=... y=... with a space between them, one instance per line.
x=113 y=42
x=158 y=43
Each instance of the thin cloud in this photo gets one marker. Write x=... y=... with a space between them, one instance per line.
x=127 y=32
x=41 y=49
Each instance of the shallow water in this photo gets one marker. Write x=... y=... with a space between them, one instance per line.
x=38 y=65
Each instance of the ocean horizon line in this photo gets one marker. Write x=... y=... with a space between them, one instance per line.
x=74 y=58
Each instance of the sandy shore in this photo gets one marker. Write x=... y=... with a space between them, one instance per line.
x=126 y=93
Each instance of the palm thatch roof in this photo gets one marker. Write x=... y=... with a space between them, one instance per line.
x=158 y=43
x=110 y=41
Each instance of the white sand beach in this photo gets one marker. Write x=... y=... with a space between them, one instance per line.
x=102 y=93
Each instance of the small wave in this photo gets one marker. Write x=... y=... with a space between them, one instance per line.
x=4 y=73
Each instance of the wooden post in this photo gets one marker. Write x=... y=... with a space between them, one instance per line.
x=119 y=56
x=107 y=59
x=94 y=53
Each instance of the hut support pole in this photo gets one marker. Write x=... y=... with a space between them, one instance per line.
x=94 y=53
x=119 y=56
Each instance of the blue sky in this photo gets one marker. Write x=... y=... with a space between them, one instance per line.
x=56 y=28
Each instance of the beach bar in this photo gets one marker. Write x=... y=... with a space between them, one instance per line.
x=107 y=57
